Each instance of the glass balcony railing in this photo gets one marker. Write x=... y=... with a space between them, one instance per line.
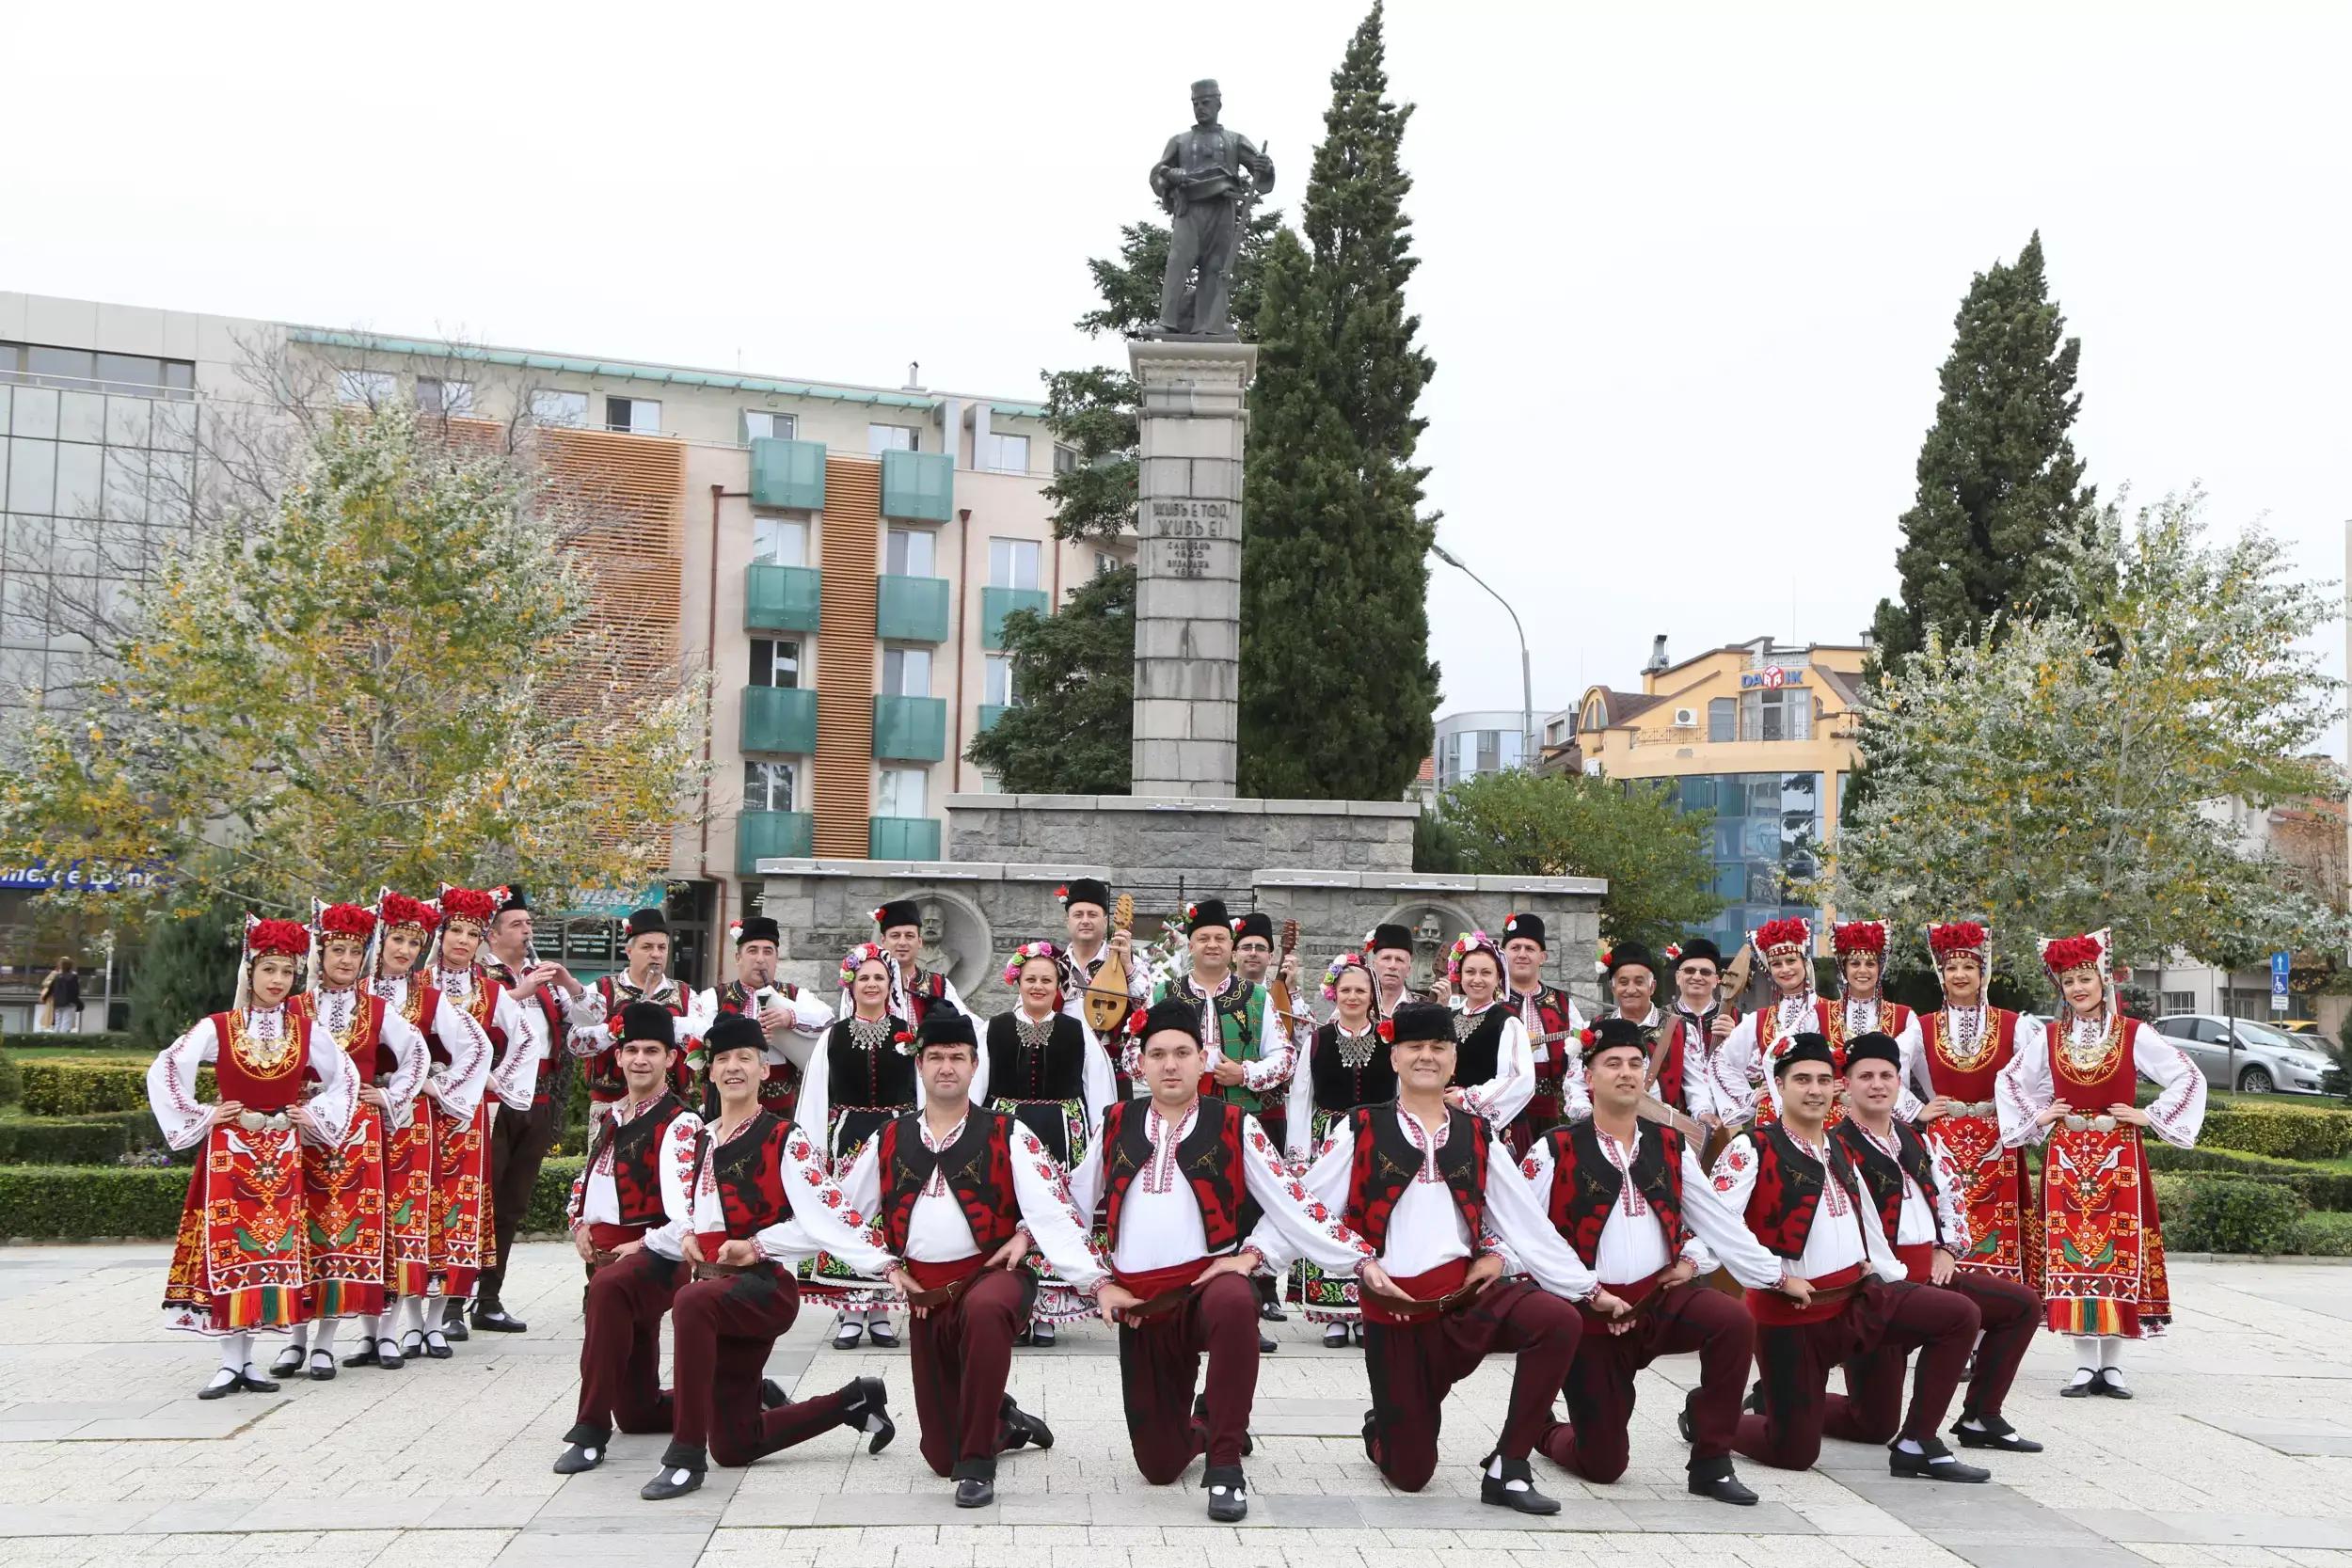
x=998 y=603
x=782 y=598
x=779 y=719
x=770 y=835
x=902 y=838
x=911 y=729
x=911 y=610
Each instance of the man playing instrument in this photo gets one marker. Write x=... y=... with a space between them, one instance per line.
x=645 y=946
x=792 y=1020
x=1553 y=1021
x=1696 y=1072
x=1389 y=950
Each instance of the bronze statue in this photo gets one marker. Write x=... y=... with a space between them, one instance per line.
x=1200 y=181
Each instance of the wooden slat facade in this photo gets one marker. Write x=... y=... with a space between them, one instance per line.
x=849 y=553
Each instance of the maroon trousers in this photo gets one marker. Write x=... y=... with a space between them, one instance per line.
x=962 y=1353
x=1796 y=1360
x=1159 y=1361
x=722 y=1331
x=620 y=1348
x=1414 y=1365
x=2009 y=1312
x=1593 y=1441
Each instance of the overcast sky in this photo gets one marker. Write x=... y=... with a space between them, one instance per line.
x=1687 y=271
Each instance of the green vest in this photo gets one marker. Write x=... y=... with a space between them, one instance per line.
x=1237 y=1012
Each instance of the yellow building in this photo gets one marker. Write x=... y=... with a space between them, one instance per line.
x=1760 y=733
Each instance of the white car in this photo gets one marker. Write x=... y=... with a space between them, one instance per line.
x=2267 y=1060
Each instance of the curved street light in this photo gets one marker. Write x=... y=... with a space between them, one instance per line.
x=1527 y=686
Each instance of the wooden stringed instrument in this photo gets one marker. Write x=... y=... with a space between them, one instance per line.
x=1106 y=995
x=1278 y=989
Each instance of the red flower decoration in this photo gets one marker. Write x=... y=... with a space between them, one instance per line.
x=1859 y=935
x=1585 y=1036
x=1961 y=935
x=351 y=922
x=281 y=938
x=468 y=903
x=1386 y=1029
x=397 y=910
x=1062 y=892
x=2070 y=953
x=900 y=1037
x=1791 y=932
x=878 y=914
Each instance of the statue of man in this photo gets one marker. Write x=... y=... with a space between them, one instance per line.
x=1200 y=181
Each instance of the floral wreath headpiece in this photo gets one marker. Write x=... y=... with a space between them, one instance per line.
x=858 y=958
x=1464 y=945
x=1338 y=967
x=1028 y=950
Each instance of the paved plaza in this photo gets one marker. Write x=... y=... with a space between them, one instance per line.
x=2237 y=1453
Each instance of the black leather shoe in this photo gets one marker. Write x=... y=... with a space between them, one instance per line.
x=373 y=1354
x=1723 y=1488
x=1265 y=1345
x=221 y=1390
x=1201 y=1414
x=868 y=1398
x=1934 y=1462
x=1229 y=1493
x=1682 y=1421
x=251 y=1385
x=1992 y=1433
x=578 y=1457
x=848 y=1332
x=674 y=1481
x=411 y=1345
x=882 y=1334
x=1022 y=1430
x=1372 y=1450
x=771 y=1395
x=437 y=1344
x=1042 y=1336
x=453 y=1323
x=1499 y=1491
x=2082 y=1388
x=1272 y=1312
x=1335 y=1336
x=2109 y=1384
x=322 y=1366
x=288 y=1363
x=497 y=1320
x=972 y=1491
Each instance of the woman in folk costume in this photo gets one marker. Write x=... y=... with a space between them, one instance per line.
x=862 y=1077
x=243 y=1257
x=1957 y=1061
x=1494 y=1070
x=1043 y=1067
x=1859 y=949
x=2102 y=1248
x=349 y=1194
x=1347 y=1066
x=913 y=990
x=1762 y=1037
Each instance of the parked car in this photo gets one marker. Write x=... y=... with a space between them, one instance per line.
x=2267 y=1059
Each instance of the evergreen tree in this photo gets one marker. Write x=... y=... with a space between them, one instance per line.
x=1999 y=482
x=188 y=970
x=1336 y=688
x=1071 y=730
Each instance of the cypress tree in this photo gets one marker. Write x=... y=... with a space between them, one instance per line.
x=1070 y=730
x=1336 y=688
x=1998 y=478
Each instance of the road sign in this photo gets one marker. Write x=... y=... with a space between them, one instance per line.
x=2279 y=965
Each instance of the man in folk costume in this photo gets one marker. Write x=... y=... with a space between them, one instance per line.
x=760 y=1200
x=1957 y=1063
x=1695 y=1070
x=1631 y=1198
x=1174 y=1171
x=545 y=995
x=1388 y=951
x=960 y=1192
x=1553 y=1021
x=1430 y=1187
x=1254 y=960
x=1811 y=1242
x=645 y=944
x=242 y=1261
x=344 y=1186
x=913 y=990
x=462 y=1149
x=1086 y=906
x=1628 y=970
x=2103 y=1273
x=792 y=1020
x=422 y=1204
x=1795 y=1008
x=632 y=1189
x=1917 y=1190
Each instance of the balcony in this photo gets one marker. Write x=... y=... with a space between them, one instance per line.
x=781 y=598
x=911 y=729
x=918 y=487
x=788 y=474
x=911 y=610
x=902 y=838
x=779 y=719
x=771 y=835
x=990 y=713
x=998 y=603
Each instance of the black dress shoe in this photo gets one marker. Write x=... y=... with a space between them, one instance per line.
x=869 y=1402
x=1499 y=1491
x=1992 y=1433
x=437 y=1344
x=221 y=1390
x=454 y=1331
x=2109 y=1384
x=372 y=1356
x=1335 y=1336
x=882 y=1334
x=972 y=1491
x=1042 y=1336
x=1272 y=1312
x=2082 y=1388
x=847 y=1332
x=771 y=1395
x=1201 y=1414
x=1934 y=1462
x=1022 y=1430
x=1229 y=1493
x=252 y=1385
x=1723 y=1488
x=412 y=1344
x=288 y=1363
x=389 y=1357
x=681 y=1472
x=497 y=1320
x=1265 y=1345
x=578 y=1457
x=322 y=1366
x=1682 y=1420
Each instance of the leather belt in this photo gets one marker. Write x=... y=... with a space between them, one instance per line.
x=1413 y=1307
x=723 y=1271
x=945 y=1294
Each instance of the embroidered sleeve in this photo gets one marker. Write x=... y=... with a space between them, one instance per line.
x=2023 y=1091
x=1521 y=1230
x=411 y=1057
x=584 y=1016
x=681 y=1139
x=1050 y=1217
x=336 y=1100
x=1506 y=1094
x=1537 y=1171
x=1716 y=1210
x=1308 y=1224
x=1325 y=1182
x=2177 y=1114
x=171 y=1085
x=1951 y=1214
x=823 y=1216
x=577 y=1200
x=516 y=1076
x=468 y=1072
x=1278 y=1055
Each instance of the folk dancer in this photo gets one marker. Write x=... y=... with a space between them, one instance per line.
x=1695 y=1071
x=1795 y=1008
x=913 y=990
x=468 y=1237
x=1630 y=970
x=1811 y=1242
x=346 y=1191
x=1495 y=1063
x=645 y=946
x=1174 y=1172
x=793 y=1020
x=1085 y=904
x=629 y=1213
x=1389 y=952
x=863 y=1078
x=1435 y=1193
x=1859 y=949
x=1956 y=1063
x=1553 y=1021
x=1917 y=1190
x=960 y=1192
x=1045 y=1070
x=761 y=1200
x=1346 y=1066
x=1631 y=1198
x=422 y=1206
x=2102 y=1274
x=241 y=1263
x=544 y=994
x=1254 y=960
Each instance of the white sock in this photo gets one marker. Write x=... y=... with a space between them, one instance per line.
x=1494 y=1472
x=322 y=1343
x=299 y=1339
x=371 y=1326
x=235 y=1350
x=1908 y=1445
x=2111 y=1352
x=409 y=1318
x=2086 y=1349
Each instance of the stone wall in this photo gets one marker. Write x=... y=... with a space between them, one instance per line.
x=1150 y=842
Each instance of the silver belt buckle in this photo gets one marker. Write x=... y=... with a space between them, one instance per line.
x=2077 y=1124
x=1982 y=1108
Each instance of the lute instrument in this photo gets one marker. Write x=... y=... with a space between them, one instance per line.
x=1106 y=995
x=1278 y=989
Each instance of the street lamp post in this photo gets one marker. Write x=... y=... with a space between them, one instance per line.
x=1526 y=684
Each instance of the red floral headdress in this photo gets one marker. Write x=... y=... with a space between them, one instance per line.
x=2088 y=951
x=478 y=905
x=397 y=912
x=1858 y=936
x=1959 y=936
x=345 y=922
x=1793 y=933
x=284 y=938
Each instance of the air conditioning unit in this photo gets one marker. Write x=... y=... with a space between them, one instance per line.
x=1686 y=719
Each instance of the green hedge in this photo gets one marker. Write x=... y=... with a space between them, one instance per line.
x=78 y=1202
x=2219 y=1214
x=2328 y=1188
x=2281 y=1132
x=76 y=1141
x=73 y=1088
x=2323 y=1236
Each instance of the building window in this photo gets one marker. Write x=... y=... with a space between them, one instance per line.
x=775 y=662
x=1783 y=715
x=906 y=673
x=901 y=793
x=1104 y=561
x=997 y=681
x=880 y=439
x=84 y=369
x=2178 y=1001
x=779 y=541
x=1065 y=459
x=1766 y=833
x=1593 y=715
x=1723 y=719
x=907 y=552
x=767 y=786
x=451 y=398
x=568 y=409
x=365 y=389
x=1013 y=563
x=1005 y=454
x=634 y=415
x=761 y=425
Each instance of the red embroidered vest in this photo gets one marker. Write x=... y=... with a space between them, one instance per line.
x=250 y=1074
x=779 y=1091
x=604 y=1084
x=1787 y=1189
x=1387 y=1162
x=748 y=1170
x=636 y=1149
x=1586 y=1183
x=977 y=1167
x=1208 y=1159
x=1882 y=1176
x=370 y=1057
x=1972 y=1081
